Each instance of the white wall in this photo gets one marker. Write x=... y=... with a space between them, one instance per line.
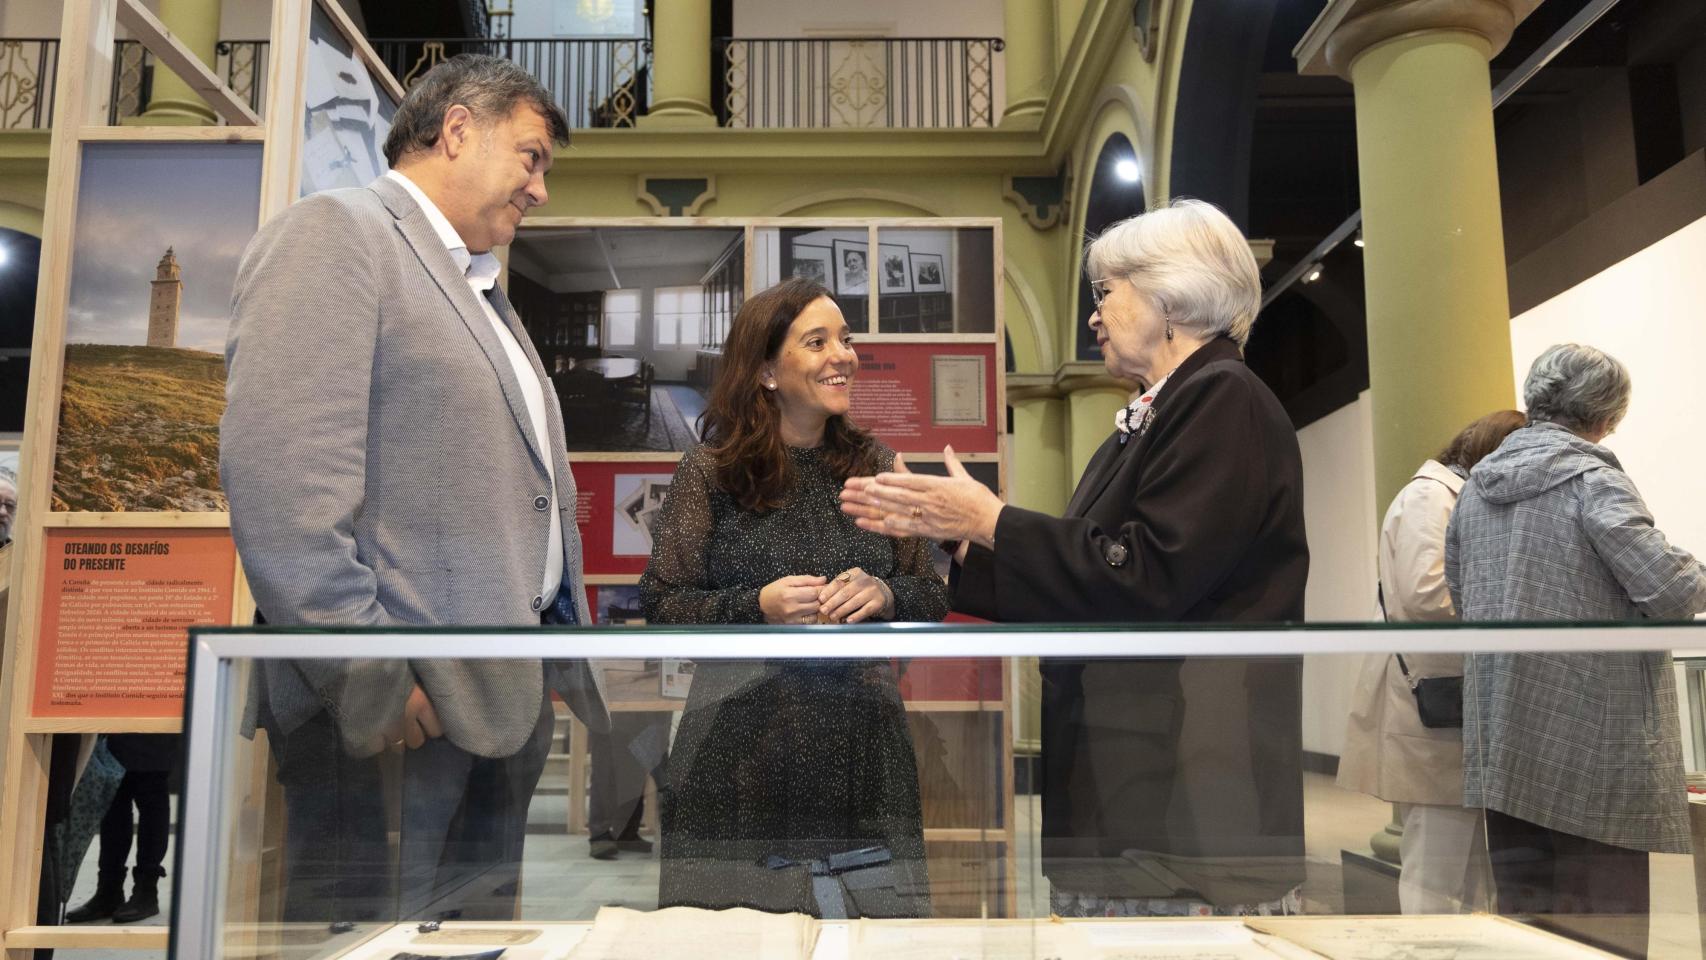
x=1648 y=311
x=1340 y=514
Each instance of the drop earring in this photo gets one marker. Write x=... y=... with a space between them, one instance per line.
x=1169 y=321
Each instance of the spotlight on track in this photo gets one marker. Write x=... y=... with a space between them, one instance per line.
x=1312 y=273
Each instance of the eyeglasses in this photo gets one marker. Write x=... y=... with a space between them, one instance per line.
x=1097 y=294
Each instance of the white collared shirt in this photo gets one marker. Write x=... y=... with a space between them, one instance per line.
x=481 y=271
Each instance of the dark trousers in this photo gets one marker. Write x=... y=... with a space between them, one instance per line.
x=463 y=821
x=463 y=826
x=337 y=859
x=621 y=761
x=149 y=792
x=1588 y=889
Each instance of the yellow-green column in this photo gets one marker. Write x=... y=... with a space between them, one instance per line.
x=1067 y=13
x=681 y=65
x=1092 y=404
x=1439 y=350
x=1041 y=450
x=171 y=102
x=1029 y=58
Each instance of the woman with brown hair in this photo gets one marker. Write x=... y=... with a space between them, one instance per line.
x=780 y=765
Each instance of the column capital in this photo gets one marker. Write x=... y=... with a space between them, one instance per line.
x=1077 y=376
x=1347 y=28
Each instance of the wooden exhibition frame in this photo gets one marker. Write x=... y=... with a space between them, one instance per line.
x=87 y=36
x=1004 y=838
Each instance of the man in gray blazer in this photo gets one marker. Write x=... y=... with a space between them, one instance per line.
x=394 y=456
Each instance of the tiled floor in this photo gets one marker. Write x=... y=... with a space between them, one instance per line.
x=561 y=882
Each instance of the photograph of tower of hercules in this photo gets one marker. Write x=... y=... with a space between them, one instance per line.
x=159 y=232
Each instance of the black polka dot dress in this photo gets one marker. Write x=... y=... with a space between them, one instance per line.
x=780 y=763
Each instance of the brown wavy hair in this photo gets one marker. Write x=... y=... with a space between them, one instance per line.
x=1480 y=438
x=741 y=427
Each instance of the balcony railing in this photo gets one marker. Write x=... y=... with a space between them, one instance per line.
x=28 y=67
x=598 y=83
x=857 y=82
x=242 y=64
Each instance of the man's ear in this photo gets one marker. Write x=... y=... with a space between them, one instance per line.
x=457 y=132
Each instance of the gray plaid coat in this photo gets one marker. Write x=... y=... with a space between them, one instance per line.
x=1549 y=527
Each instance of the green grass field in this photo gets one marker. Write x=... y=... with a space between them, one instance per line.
x=139 y=429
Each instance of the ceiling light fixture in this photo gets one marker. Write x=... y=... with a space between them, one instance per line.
x=1126 y=170
x=1312 y=273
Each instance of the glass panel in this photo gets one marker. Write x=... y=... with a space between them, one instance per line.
x=1245 y=797
x=372 y=792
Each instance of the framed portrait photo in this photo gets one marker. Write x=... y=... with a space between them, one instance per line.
x=813 y=263
x=893 y=268
x=927 y=273
x=852 y=268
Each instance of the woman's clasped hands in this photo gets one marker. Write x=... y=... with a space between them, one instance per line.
x=849 y=597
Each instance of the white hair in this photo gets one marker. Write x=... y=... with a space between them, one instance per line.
x=1191 y=261
x=1577 y=387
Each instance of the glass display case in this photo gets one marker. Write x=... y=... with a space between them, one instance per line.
x=853 y=791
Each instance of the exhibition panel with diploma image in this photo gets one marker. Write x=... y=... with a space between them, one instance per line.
x=629 y=317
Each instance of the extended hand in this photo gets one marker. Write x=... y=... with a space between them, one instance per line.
x=790 y=599
x=855 y=595
x=901 y=503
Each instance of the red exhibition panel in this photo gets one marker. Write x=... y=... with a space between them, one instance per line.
x=116 y=608
x=920 y=397
x=618 y=504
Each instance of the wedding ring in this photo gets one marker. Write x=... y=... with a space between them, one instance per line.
x=396 y=743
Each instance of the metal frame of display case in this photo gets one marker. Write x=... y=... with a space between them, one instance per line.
x=215 y=654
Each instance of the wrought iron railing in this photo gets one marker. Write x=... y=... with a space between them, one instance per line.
x=857 y=81
x=242 y=63
x=598 y=83
x=28 y=67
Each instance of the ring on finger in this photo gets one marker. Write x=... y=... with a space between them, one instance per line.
x=846 y=576
x=917 y=512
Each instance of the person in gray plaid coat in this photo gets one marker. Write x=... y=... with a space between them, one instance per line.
x=1575 y=757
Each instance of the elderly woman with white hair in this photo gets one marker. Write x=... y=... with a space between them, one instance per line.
x=1191 y=511
x=1576 y=757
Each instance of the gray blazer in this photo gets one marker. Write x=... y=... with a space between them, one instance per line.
x=382 y=467
x=1549 y=527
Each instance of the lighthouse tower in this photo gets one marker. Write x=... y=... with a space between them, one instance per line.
x=163 y=302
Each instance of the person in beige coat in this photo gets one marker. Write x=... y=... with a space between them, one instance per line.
x=1388 y=753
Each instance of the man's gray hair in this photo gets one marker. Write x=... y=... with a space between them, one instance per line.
x=490 y=87
x=1577 y=387
x=1192 y=262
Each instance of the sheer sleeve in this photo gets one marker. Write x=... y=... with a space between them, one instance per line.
x=676 y=587
x=920 y=596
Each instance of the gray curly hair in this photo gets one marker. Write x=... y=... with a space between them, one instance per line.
x=1578 y=387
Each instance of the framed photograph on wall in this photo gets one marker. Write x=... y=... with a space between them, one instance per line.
x=814 y=263
x=852 y=268
x=893 y=268
x=927 y=273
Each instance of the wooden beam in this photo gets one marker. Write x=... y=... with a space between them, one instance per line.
x=87 y=938
x=183 y=61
